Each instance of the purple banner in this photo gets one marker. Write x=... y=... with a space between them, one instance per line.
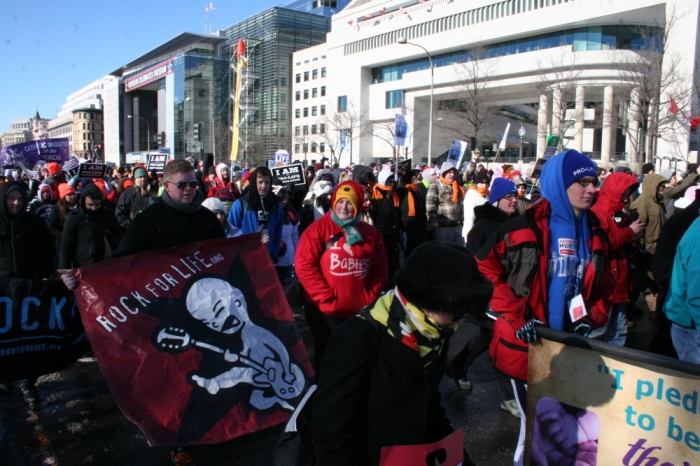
x=29 y=153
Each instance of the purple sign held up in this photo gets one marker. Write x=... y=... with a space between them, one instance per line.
x=29 y=153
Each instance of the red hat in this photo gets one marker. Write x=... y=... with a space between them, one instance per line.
x=100 y=184
x=246 y=176
x=64 y=189
x=351 y=191
x=53 y=168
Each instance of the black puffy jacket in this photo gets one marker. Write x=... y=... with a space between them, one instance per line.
x=26 y=247
x=86 y=233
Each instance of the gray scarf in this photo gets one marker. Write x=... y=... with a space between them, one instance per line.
x=190 y=208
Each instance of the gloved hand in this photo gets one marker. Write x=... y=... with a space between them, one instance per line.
x=581 y=328
x=527 y=332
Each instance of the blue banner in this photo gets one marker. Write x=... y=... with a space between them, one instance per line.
x=29 y=153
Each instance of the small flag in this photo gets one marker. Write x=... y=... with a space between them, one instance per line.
x=402 y=10
x=350 y=22
x=240 y=50
x=502 y=146
x=382 y=11
x=211 y=6
x=206 y=8
x=673 y=106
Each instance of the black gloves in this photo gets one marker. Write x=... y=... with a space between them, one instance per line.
x=527 y=332
x=581 y=328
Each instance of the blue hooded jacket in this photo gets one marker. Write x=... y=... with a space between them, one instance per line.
x=569 y=254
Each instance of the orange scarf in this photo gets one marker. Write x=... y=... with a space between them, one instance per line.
x=457 y=190
x=484 y=192
x=377 y=194
x=410 y=189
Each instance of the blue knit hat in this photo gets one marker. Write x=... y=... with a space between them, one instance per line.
x=500 y=188
x=575 y=166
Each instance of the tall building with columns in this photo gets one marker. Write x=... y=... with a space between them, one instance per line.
x=604 y=75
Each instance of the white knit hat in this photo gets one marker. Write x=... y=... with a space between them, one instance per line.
x=213 y=204
x=383 y=176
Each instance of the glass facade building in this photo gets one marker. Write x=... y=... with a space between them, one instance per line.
x=617 y=37
x=266 y=101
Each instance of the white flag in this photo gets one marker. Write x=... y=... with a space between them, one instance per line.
x=502 y=146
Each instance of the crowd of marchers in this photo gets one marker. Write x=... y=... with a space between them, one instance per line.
x=390 y=261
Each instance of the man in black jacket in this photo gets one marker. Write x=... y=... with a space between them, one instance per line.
x=91 y=232
x=175 y=219
x=381 y=370
x=26 y=251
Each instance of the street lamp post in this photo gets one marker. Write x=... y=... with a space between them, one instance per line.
x=521 y=133
x=148 y=134
x=402 y=40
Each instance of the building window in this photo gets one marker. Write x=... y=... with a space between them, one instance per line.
x=394 y=99
x=305 y=130
x=306 y=94
x=306 y=75
x=298 y=78
x=342 y=103
x=314 y=92
x=283 y=115
x=313 y=129
x=297 y=131
x=83 y=125
x=314 y=74
x=306 y=148
x=283 y=81
x=296 y=113
x=323 y=72
x=323 y=109
x=306 y=112
x=322 y=147
x=297 y=95
x=283 y=98
x=313 y=111
x=323 y=91
x=322 y=129
x=296 y=148
x=314 y=147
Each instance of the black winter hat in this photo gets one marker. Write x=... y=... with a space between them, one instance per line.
x=481 y=177
x=444 y=278
x=647 y=167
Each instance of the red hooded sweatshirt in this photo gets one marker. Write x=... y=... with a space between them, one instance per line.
x=608 y=209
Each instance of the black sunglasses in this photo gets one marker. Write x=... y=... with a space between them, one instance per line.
x=182 y=184
x=586 y=181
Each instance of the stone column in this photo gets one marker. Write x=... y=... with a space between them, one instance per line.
x=542 y=125
x=578 y=137
x=606 y=143
x=632 y=142
x=556 y=111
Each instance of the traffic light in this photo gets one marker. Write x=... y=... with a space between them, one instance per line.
x=198 y=131
x=161 y=139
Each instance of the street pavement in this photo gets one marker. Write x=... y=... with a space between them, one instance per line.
x=79 y=423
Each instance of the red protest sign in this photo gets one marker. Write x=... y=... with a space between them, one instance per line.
x=446 y=452
x=197 y=344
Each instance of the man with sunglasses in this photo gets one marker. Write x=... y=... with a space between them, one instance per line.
x=549 y=267
x=175 y=219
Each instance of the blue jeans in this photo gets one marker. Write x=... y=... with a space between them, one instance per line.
x=687 y=343
x=616 y=332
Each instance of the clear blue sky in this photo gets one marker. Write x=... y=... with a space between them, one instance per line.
x=52 y=48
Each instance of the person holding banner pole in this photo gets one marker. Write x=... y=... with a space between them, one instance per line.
x=549 y=267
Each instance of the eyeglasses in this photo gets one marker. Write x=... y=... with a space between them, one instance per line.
x=509 y=197
x=584 y=182
x=182 y=184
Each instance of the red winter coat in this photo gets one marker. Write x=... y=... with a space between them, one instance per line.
x=342 y=279
x=608 y=208
x=218 y=188
x=515 y=260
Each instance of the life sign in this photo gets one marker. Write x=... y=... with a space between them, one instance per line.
x=289 y=174
x=92 y=170
x=157 y=162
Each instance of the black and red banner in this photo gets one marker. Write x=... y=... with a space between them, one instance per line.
x=40 y=328
x=197 y=344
